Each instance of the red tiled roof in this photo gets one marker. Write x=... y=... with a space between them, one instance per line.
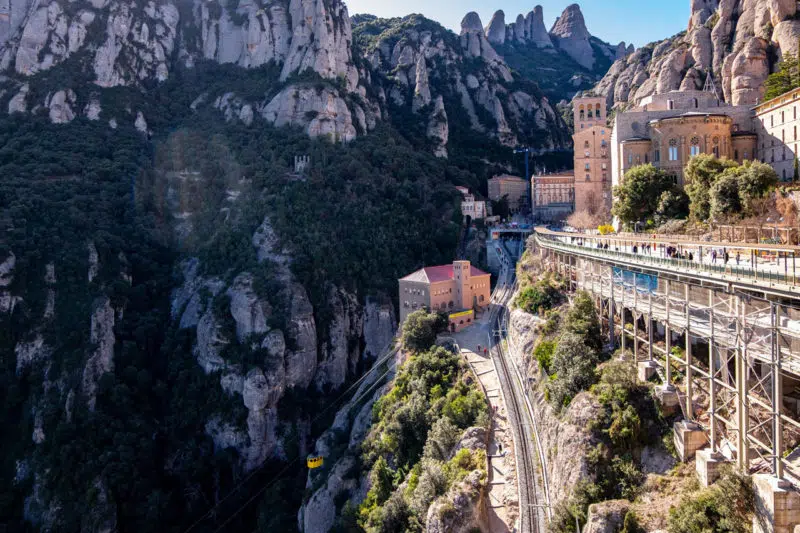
x=436 y=274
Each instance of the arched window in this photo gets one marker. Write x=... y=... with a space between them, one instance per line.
x=695 y=149
x=582 y=114
x=451 y=304
x=736 y=155
x=603 y=143
x=670 y=104
x=784 y=174
x=586 y=144
x=589 y=113
x=745 y=155
x=673 y=150
x=715 y=149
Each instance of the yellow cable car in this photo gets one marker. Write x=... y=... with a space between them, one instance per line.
x=314 y=461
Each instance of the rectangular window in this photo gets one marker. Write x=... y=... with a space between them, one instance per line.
x=657 y=156
x=587 y=166
x=673 y=153
x=695 y=150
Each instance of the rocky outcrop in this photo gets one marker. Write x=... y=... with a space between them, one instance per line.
x=429 y=72
x=139 y=45
x=461 y=509
x=237 y=315
x=734 y=41
x=606 y=517
x=342 y=351
x=60 y=106
x=319 y=513
x=528 y=28
x=570 y=34
x=322 y=112
x=102 y=358
x=496 y=30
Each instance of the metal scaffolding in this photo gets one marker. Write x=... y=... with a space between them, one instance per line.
x=732 y=356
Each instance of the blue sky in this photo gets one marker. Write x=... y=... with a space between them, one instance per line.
x=636 y=21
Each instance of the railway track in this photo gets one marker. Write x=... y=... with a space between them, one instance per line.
x=518 y=414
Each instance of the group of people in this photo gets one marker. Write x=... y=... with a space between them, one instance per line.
x=671 y=252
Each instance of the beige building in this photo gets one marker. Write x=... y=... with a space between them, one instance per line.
x=453 y=289
x=668 y=129
x=553 y=196
x=470 y=207
x=592 y=155
x=776 y=125
x=515 y=188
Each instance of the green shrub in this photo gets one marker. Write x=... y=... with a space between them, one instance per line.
x=544 y=354
x=420 y=331
x=726 y=507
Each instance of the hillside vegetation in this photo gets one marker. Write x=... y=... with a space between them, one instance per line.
x=428 y=441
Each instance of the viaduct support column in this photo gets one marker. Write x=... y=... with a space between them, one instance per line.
x=689 y=385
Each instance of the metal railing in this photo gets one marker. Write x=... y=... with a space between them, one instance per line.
x=725 y=272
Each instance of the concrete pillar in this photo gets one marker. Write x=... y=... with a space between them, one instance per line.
x=689 y=438
x=707 y=466
x=689 y=377
x=777 y=505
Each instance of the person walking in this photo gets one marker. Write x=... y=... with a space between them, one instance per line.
x=738 y=257
x=714 y=256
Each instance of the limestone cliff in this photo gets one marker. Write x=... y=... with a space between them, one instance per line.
x=738 y=42
x=134 y=43
x=235 y=318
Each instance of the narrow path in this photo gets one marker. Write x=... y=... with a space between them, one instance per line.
x=503 y=492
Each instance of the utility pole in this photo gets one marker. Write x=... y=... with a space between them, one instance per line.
x=527 y=152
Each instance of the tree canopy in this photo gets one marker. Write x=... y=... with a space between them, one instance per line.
x=639 y=197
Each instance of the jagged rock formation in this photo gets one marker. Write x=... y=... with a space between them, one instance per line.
x=139 y=43
x=306 y=364
x=572 y=36
x=736 y=41
x=562 y=61
x=424 y=70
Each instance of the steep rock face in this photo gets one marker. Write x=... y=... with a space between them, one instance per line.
x=565 y=438
x=606 y=517
x=735 y=41
x=321 y=113
x=461 y=509
x=102 y=360
x=136 y=43
x=572 y=36
x=496 y=30
x=234 y=315
x=430 y=73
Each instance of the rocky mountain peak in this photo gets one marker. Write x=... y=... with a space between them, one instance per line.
x=571 y=24
x=471 y=23
x=572 y=36
x=735 y=41
x=496 y=30
x=701 y=11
